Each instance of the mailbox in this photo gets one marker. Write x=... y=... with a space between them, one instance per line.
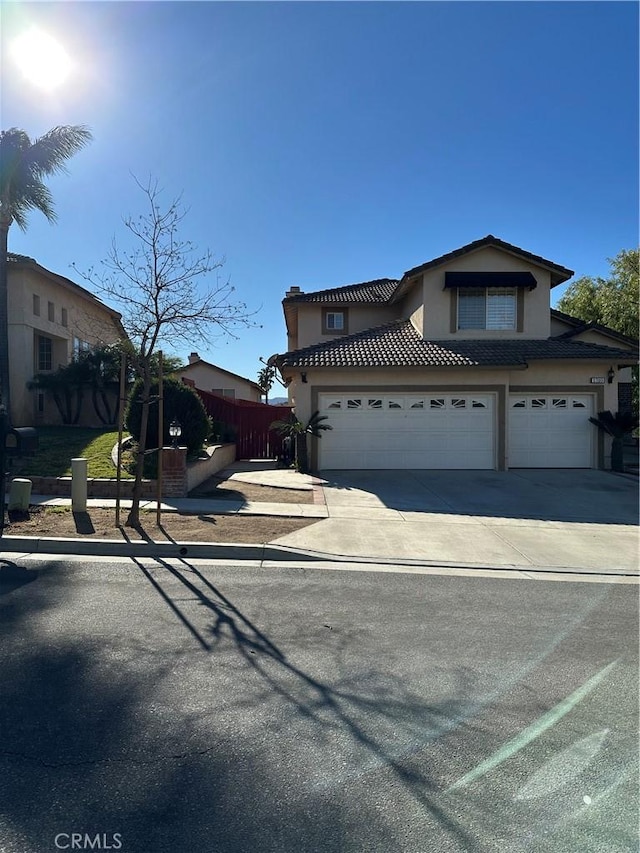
x=21 y=441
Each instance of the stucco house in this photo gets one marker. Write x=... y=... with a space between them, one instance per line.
x=460 y=363
x=208 y=377
x=50 y=319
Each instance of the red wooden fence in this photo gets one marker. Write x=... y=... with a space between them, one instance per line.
x=251 y=422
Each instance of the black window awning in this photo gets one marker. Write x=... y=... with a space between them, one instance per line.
x=489 y=279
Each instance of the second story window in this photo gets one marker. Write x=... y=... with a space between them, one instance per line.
x=80 y=346
x=45 y=353
x=51 y=312
x=487 y=308
x=334 y=321
x=36 y=305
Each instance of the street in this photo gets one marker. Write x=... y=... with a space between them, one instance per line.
x=174 y=705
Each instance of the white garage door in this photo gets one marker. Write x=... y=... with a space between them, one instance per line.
x=407 y=431
x=551 y=431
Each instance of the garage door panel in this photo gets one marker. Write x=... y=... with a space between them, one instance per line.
x=400 y=431
x=550 y=431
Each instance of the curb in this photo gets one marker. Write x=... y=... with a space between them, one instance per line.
x=113 y=548
x=259 y=553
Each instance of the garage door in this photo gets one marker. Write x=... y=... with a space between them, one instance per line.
x=407 y=431
x=550 y=431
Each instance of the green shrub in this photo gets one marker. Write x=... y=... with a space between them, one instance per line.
x=181 y=403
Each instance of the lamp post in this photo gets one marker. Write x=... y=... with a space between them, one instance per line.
x=175 y=431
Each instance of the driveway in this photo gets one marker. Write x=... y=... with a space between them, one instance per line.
x=584 y=521
x=594 y=497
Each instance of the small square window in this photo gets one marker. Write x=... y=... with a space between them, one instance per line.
x=395 y=404
x=436 y=404
x=36 y=304
x=51 y=312
x=419 y=404
x=538 y=403
x=334 y=321
x=354 y=404
x=64 y=317
x=374 y=404
x=458 y=403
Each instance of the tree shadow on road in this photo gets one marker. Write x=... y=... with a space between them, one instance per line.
x=366 y=713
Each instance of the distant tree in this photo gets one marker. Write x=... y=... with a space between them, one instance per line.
x=23 y=166
x=66 y=385
x=611 y=301
x=102 y=366
x=159 y=287
x=266 y=378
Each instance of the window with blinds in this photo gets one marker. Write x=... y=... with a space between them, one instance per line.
x=487 y=308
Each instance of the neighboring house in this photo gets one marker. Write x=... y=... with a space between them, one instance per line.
x=460 y=363
x=51 y=319
x=207 y=377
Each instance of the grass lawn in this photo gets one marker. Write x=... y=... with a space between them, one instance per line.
x=59 y=445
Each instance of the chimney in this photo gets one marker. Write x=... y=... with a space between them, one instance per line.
x=293 y=291
x=193 y=358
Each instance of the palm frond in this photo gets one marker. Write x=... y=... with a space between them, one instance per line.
x=49 y=154
x=24 y=164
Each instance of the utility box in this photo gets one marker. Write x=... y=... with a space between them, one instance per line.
x=21 y=441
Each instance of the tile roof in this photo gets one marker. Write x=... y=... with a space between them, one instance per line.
x=377 y=291
x=561 y=273
x=398 y=344
x=580 y=326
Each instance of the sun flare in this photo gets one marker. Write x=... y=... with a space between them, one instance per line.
x=41 y=58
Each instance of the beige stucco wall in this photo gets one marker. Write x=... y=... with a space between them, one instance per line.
x=87 y=320
x=208 y=377
x=412 y=307
x=437 y=301
x=559 y=327
x=360 y=317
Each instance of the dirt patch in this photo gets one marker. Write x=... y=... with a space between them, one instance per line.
x=47 y=522
x=234 y=490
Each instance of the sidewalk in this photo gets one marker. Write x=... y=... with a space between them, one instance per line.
x=377 y=534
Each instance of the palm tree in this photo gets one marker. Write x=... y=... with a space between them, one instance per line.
x=297 y=432
x=23 y=166
x=616 y=425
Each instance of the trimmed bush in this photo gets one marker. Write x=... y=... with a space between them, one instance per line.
x=181 y=403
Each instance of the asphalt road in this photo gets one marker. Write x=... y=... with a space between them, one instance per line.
x=179 y=707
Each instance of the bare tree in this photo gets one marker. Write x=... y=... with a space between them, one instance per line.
x=160 y=287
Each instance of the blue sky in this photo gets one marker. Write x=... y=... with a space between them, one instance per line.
x=322 y=144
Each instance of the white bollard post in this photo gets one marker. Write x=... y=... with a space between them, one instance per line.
x=20 y=495
x=79 y=485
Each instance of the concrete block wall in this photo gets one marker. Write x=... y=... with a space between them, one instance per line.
x=178 y=478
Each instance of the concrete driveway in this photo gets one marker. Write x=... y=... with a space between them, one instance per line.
x=594 y=497
x=555 y=519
